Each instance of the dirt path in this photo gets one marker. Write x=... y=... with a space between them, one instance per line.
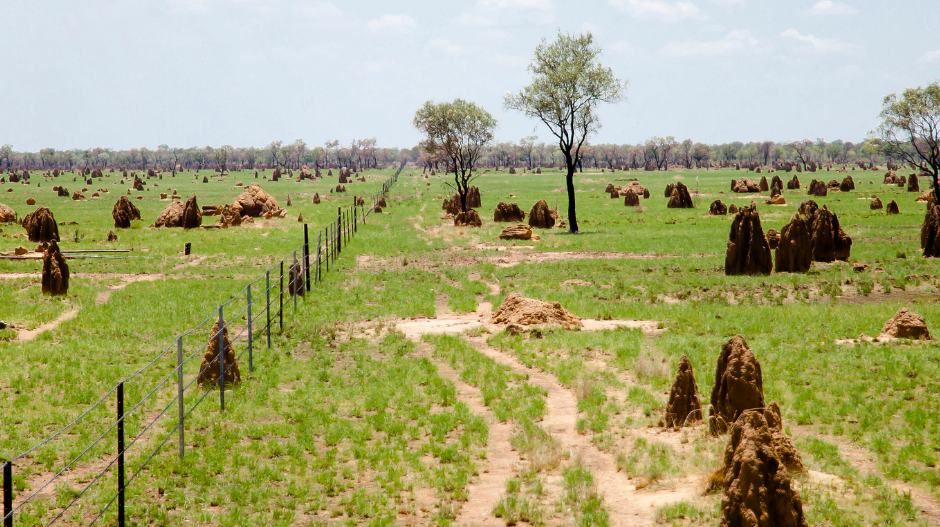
x=191 y=263
x=626 y=504
x=105 y=295
x=30 y=334
x=502 y=462
x=866 y=463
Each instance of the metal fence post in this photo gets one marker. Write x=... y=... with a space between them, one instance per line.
x=292 y=282
x=120 y=438
x=221 y=361
x=280 y=296
x=306 y=259
x=267 y=302
x=319 y=250
x=8 y=494
x=339 y=237
x=179 y=392
x=327 y=231
x=250 y=335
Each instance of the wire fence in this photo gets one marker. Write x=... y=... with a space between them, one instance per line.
x=169 y=388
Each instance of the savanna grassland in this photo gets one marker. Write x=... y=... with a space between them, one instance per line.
x=387 y=399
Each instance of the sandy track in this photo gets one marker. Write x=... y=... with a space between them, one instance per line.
x=30 y=334
x=502 y=462
x=626 y=504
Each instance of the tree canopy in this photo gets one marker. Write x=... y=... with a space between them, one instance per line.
x=910 y=128
x=457 y=133
x=568 y=83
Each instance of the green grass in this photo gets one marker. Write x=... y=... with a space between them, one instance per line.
x=341 y=423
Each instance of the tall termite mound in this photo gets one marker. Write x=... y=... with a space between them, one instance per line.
x=795 y=249
x=738 y=386
x=540 y=216
x=930 y=231
x=124 y=212
x=748 y=251
x=830 y=242
x=630 y=199
x=684 y=405
x=209 y=373
x=474 y=201
x=757 y=486
x=192 y=216
x=55 y=272
x=680 y=198
x=40 y=226
x=295 y=280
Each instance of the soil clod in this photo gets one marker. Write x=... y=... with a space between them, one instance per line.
x=906 y=324
x=517 y=309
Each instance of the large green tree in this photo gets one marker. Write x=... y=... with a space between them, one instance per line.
x=456 y=131
x=910 y=129
x=568 y=84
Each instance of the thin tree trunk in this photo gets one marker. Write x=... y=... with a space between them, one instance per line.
x=572 y=213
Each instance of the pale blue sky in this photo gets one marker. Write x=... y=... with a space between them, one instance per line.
x=125 y=73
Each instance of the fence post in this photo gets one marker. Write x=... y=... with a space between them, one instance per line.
x=280 y=296
x=306 y=259
x=355 y=219
x=221 y=361
x=8 y=494
x=327 y=231
x=319 y=250
x=292 y=282
x=250 y=335
x=179 y=392
x=120 y=438
x=267 y=302
x=339 y=237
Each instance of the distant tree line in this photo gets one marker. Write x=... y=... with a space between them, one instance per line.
x=662 y=153
x=361 y=153
x=656 y=153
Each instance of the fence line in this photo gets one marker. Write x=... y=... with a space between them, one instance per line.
x=329 y=240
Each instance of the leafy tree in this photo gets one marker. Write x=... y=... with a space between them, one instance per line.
x=526 y=146
x=5 y=152
x=568 y=84
x=801 y=147
x=910 y=129
x=456 y=131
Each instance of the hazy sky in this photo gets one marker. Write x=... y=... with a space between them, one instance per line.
x=131 y=73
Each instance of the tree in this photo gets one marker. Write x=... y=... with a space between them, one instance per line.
x=800 y=148
x=910 y=129
x=5 y=152
x=764 y=150
x=457 y=131
x=221 y=156
x=526 y=146
x=687 y=152
x=46 y=155
x=568 y=84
